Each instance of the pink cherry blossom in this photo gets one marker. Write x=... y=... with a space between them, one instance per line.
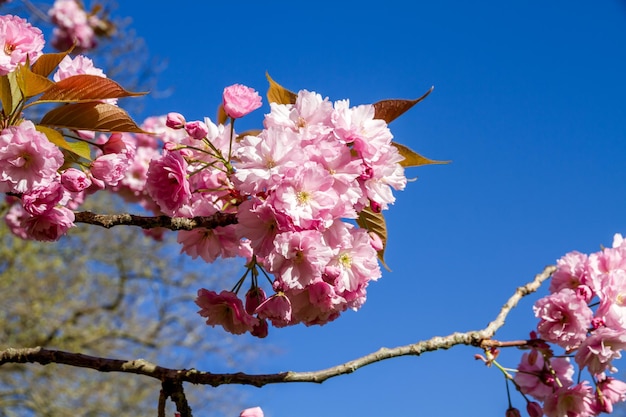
x=78 y=65
x=239 y=100
x=610 y=391
x=577 y=400
x=209 y=244
x=226 y=310
x=277 y=309
x=27 y=158
x=539 y=377
x=75 y=180
x=175 y=120
x=299 y=258
x=564 y=318
x=167 y=182
x=110 y=168
x=19 y=41
x=49 y=226
x=41 y=200
x=196 y=129
x=598 y=350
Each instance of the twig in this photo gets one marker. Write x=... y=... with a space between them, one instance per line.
x=146 y=222
x=480 y=338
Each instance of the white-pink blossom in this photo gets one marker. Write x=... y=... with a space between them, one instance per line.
x=27 y=158
x=20 y=42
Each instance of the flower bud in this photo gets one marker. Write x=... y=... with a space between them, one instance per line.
x=175 y=120
x=534 y=409
x=75 y=180
x=197 y=129
x=254 y=297
x=239 y=100
x=513 y=412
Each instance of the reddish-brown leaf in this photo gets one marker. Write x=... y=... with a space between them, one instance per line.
x=276 y=93
x=83 y=88
x=413 y=159
x=389 y=110
x=48 y=63
x=221 y=115
x=100 y=117
x=375 y=223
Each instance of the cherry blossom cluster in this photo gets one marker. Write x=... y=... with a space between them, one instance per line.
x=296 y=187
x=74 y=26
x=585 y=315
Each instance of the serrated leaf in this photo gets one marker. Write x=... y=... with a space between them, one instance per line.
x=413 y=159
x=79 y=148
x=48 y=63
x=30 y=83
x=375 y=223
x=276 y=93
x=221 y=115
x=84 y=88
x=11 y=94
x=389 y=110
x=100 y=117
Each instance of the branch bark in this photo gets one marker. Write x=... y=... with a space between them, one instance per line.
x=151 y=222
x=478 y=338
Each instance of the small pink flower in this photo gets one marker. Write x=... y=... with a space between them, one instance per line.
x=19 y=41
x=75 y=180
x=277 y=309
x=564 y=318
x=41 y=200
x=610 y=391
x=110 y=168
x=539 y=377
x=175 y=120
x=252 y=412
x=197 y=129
x=27 y=158
x=254 y=297
x=577 y=400
x=49 y=226
x=226 y=310
x=239 y=100
x=598 y=350
x=167 y=182
x=79 y=65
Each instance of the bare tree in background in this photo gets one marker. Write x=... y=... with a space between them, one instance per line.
x=103 y=293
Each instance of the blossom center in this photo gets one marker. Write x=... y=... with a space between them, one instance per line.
x=304 y=197
x=9 y=48
x=345 y=260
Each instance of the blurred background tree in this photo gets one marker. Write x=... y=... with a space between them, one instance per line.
x=112 y=293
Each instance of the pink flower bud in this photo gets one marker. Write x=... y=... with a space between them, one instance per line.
x=252 y=412
x=254 y=297
x=197 y=129
x=376 y=241
x=175 y=120
x=239 y=100
x=534 y=409
x=513 y=412
x=260 y=330
x=75 y=180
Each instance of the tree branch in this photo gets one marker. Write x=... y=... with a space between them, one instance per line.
x=146 y=222
x=479 y=338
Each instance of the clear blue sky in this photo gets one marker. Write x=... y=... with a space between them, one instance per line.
x=529 y=103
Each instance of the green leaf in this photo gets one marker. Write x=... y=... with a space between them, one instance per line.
x=413 y=159
x=375 y=223
x=84 y=88
x=79 y=148
x=100 y=117
x=389 y=110
x=276 y=93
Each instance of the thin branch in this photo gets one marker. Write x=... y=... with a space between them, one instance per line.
x=479 y=338
x=146 y=222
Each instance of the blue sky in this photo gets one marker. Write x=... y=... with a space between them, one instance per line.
x=529 y=106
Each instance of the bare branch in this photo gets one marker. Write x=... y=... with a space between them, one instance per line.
x=479 y=338
x=147 y=222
